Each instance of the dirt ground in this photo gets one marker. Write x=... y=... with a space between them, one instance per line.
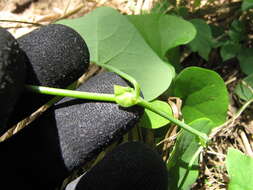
x=22 y=16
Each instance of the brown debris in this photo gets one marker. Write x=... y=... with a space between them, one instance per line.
x=21 y=7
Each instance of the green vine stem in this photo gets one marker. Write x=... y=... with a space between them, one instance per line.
x=71 y=93
x=124 y=96
x=112 y=98
x=203 y=137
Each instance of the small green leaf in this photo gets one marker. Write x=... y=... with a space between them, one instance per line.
x=237 y=31
x=240 y=170
x=174 y=56
x=245 y=58
x=181 y=176
x=125 y=96
x=219 y=39
x=161 y=7
x=203 y=42
x=229 y=50
x=112 y=39
x=163 y=32
x=247 y=4
x=245 y=88
x=204 y=94
x=196 y=3
x=238 y=25
x=152 y=120
x=217 y=31
x=183 y=12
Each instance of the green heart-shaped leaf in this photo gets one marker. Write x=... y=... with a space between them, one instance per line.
x=163 y=32
x=204 y=94
x=112 y=39
x=240 y=170
x=203 y=42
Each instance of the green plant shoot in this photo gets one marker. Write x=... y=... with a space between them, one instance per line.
x=124 y=96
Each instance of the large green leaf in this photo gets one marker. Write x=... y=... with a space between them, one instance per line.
x=245 y=88
x=154 y=121
x=203 y=42
x=247 y=4
x=113 y=39
x=181 y=176
x=163 y=32
x=245 y=58
x=240 y=170
x=204 y=94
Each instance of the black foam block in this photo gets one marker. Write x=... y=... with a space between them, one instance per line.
x=130 y=166
x=99 y=123
x=12 y=75
x=67 y=136
x=56 y=57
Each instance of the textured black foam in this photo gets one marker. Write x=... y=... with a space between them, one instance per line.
x=56 y=57
x=98 y=123
x=12 y=75
x=69 y=135
x=130 y=166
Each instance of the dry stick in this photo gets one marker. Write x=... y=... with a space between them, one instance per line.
x=168 y=139
x=70 y=13
x=65 y=14
x=177 y=113
x=93 y=69
x=147 y=5
x=231 y=120
x=67 y=7
x=138 y=7
x=167 y=144
x=216 y=154
x=246 y=143
x=173 y=129
x=22 y=22
x=230 y=80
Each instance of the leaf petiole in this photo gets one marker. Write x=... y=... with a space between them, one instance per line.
x=113 y=98
x=203 y=137
x=124 y=96
x=71 y=93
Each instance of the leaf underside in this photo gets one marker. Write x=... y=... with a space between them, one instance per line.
x=113 y=39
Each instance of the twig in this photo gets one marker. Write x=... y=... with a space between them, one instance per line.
x=167 y=139
x=70 y=13
x=231 y=80
x=246 y=143
x=176 y=107
x=231 y=120
x=216 y=154
x=67 y=7
x=22 y=22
